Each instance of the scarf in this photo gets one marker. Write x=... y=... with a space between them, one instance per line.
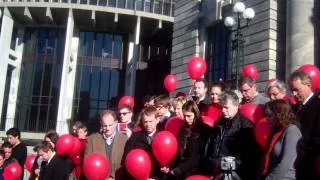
x=266 y=158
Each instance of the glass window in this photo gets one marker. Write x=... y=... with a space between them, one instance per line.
x=139 y=5
x=97 y=82
x=121 y=4
x=218 y=51
x=130 y=4
x=40 y=79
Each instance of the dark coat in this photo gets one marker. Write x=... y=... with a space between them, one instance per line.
x=138 y=140
x=57 y=169
x=187 y=159
x=235 y=138
x=309 y=147
x=203 y=105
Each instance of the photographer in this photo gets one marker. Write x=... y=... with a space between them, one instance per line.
x=231 y=149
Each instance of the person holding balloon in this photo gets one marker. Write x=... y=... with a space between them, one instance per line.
x=248 y=89
x=281 y=145
x=303 y=88
x=188 y=156
x=109 y=143
x=214 y=110
x=232 y=136
x=143 y=139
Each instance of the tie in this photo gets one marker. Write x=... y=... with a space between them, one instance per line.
x=149 y=139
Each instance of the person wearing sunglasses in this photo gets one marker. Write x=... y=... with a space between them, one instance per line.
x=125 y=124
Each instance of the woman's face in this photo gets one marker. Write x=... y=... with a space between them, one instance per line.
x=275 y=93
x=188 y=117
x=178 y=110
x=214 y=94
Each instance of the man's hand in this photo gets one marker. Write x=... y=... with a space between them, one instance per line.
x=165 y=170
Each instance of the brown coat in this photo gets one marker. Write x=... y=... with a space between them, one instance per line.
x=96 y=143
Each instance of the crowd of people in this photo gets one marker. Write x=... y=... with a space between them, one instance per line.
x=226 y=150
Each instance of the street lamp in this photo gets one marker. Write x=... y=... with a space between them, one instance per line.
x=238 y=43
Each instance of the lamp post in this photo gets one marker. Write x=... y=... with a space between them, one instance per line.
x=242 y=13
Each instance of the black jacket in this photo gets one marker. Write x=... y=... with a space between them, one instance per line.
x=57 y=169
x=203 y=105
x=187 y=159
x=139 y=140
x=235 y=138
x=308 y=118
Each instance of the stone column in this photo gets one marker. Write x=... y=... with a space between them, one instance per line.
x=14 y=84
x=5 y=41
x=68 y=76
x=299 y=35
x=133 y=57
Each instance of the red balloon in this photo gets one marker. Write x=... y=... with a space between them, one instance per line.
x=65 y=144
x=12 y=172
x=96 y=166
x=196 y=67
x=253 y=112
x=164 y=147
x=250 y=71
x=170 y=82
x=262 y=131
x=138 y=164
x=314 y=73
x=126 y=100
x=77 y=147
x=29 y=162
x=198 y=177
x=208 y=121
x=174 y=125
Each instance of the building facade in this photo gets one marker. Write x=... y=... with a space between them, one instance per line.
x=67 y=60
x=282 y=36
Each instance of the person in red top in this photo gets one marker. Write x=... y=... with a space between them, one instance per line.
x=214 y=110
x=277 y=90
x=82 y=134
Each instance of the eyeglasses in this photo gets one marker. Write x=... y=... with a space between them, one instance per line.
x=123 y=113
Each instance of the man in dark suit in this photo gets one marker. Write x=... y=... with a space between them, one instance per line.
x=144 y=138
x=308 y=117
x=108 y=142
x=53 y=166
x=201 y=97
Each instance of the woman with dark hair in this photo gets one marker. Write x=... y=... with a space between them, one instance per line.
x=282 y=142
x=188 y=155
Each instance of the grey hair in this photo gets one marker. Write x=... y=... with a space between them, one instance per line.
x=278 y=84
x=229 y=95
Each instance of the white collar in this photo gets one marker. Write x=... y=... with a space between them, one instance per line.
x=307 y=99
x=53 y=153
x=151 y=134
x=109 y=138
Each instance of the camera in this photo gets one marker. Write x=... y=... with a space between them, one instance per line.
x=228 y=163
